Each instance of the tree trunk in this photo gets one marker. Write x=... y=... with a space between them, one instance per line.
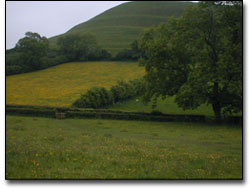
x=216 y=103
x=217 y=112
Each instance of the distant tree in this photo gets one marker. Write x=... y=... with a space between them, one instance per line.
x=104 y=55
x=129 y=54
x=78 y=47
x=32 y=49
x=197 y=58
x=124 y=55
x=135 y=49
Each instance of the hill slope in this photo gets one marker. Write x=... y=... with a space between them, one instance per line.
x=117 y=27
x=61 y=85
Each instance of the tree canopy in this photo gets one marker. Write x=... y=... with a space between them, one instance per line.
x=32 y=49
x=197 y=57
x=81 y=47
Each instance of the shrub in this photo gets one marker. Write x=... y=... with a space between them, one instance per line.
x=99 y=97
x=123 y=91
x=13 y=69
x=94 y=98
x=125 y=55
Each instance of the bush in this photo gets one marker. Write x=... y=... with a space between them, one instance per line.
x=94 y=98
x=125 y=55
x=13 y=69
x=99 y=97
x=131 y=54
x=123 y=91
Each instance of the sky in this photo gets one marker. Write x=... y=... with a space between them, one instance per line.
x=49 y=18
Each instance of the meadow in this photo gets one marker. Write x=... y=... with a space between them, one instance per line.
x=167 y=106
x=61 y=85
x=45 y=148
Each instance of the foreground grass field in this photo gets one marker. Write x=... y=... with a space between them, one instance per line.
x=61 y=85
x=43 y=148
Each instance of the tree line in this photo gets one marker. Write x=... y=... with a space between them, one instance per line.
x=33 y=52
x=99 y=97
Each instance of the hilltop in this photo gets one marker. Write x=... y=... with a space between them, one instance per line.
x=116 y=28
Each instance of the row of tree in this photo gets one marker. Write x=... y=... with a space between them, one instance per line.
x=99 y=97
x=33 y=52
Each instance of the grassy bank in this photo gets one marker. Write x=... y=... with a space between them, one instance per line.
x=43 y=148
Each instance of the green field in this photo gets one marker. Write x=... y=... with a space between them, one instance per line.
x=43 y=148
x=167 y=106
x=61 y=85
x=116 y=28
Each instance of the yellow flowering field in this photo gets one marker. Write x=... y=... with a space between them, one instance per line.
x=45 y=148
x=61 y=85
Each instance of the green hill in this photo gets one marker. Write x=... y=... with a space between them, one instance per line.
x=117 y=27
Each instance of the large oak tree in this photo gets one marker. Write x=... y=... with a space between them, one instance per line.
x=197 y=57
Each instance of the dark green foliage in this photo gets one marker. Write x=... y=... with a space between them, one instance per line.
x=32 y=52
x=124 y=55
x=13 y=65
x=103 y=55
x=53 y=58
x=197 y=57
x=131 y=54
x=99 y=97
x=77 y=47
x=123 y=90
x=32 y=48
x=81 y=47
x=13 y=69
x=96 y=97
x=31 y=112
x=28 y=55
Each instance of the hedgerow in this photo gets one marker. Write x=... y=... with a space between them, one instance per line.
x=99 y=97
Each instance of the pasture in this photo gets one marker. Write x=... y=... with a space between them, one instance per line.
x=61 y=85
x=45 y=148
x=167 y=106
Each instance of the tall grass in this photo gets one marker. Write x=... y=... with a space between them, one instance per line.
x=41 y=148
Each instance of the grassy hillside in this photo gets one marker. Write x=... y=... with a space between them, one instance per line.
x=117 y=27
x=44 y=148
x=63 y=84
